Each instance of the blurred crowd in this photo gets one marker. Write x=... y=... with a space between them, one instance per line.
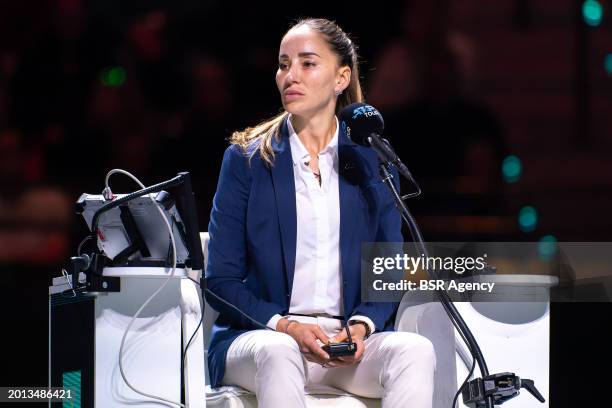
x=153 y=88
x=83 y=91
x=156 y=87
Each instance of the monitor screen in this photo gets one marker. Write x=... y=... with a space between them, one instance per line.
x=135 y=231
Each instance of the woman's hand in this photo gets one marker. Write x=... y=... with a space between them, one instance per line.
x=358 y=332
x=306 y=336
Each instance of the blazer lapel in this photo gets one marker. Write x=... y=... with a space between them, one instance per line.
x=349 y=179
x=284 y=192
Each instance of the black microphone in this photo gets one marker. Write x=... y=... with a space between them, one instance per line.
x=363 y=124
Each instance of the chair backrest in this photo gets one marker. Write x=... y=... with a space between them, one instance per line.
x=210 y=314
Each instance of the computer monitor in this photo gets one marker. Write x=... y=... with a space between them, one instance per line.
x=134 y=233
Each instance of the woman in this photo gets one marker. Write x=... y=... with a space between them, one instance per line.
x=295 y=200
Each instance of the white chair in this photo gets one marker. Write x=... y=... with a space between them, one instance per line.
x=513 y=336
x=427 y=319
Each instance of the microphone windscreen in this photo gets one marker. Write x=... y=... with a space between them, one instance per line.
x=359 y=121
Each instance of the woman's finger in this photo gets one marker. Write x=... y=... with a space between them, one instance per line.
x=341 y=336
x=315 y=359
x=320 y=334
x=360 y=350
x=317 y=350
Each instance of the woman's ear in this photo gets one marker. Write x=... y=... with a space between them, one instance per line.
x=343 y=79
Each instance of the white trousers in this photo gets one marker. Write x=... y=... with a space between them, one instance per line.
x=397 y=367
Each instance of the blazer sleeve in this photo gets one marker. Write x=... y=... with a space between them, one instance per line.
x=227 y=249
x=390 y=230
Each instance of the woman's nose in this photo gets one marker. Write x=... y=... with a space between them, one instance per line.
x=293 y=75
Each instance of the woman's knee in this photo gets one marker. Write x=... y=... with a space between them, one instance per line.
x=413 y=347
x=278 y=347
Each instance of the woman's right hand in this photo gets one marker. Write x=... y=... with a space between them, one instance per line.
x=306 y=335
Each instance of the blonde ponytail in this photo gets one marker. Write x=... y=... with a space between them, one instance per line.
x=259 y=138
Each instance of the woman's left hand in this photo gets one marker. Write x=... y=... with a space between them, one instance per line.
x=358 y=332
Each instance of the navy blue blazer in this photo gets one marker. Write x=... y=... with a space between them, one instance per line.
x=251 y=253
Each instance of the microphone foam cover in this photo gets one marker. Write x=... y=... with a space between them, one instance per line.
x=359 y=121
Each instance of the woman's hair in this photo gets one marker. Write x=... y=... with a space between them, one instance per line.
x=259 y=137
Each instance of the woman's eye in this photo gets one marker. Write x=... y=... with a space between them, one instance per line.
x=282 y=66
x=309 y=64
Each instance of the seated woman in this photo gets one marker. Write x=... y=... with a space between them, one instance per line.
x=295 y=200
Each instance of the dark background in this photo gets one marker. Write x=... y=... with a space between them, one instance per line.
x=156 y=87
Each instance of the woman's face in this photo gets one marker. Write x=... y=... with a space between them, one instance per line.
x=308 y=73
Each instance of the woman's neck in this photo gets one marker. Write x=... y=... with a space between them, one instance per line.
x=315 y=132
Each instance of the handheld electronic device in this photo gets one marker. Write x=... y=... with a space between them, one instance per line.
x=345 y=348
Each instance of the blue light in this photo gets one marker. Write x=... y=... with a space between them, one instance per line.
x=547 y=247
x=512 y=169
x=608 y=63
x=528 y=219
x=592 y=11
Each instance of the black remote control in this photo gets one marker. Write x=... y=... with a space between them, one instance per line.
x=340 y=349
x=345 y=348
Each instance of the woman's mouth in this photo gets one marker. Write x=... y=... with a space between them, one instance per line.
x=292 y=95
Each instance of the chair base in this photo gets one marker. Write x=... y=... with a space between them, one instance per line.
x=236 y=397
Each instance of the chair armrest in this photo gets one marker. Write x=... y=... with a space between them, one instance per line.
x=430 y=321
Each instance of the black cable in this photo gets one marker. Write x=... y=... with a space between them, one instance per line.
x=225 y=302
x=194 y=332
x=116 y=203
x=467 y=343
x=190 y=340
x=202 y=319
x=80 y=247
x=464 y=382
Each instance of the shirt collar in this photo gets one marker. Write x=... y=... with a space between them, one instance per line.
x=299 y=152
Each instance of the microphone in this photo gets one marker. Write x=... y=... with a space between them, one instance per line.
x=364 y=125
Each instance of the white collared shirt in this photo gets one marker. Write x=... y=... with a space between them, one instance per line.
x=317 y=278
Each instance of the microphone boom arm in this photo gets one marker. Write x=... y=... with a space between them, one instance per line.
x=480 y=392
x=447 y=304
x=387 y=155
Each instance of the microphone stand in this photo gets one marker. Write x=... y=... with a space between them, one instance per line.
x=480 y=392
